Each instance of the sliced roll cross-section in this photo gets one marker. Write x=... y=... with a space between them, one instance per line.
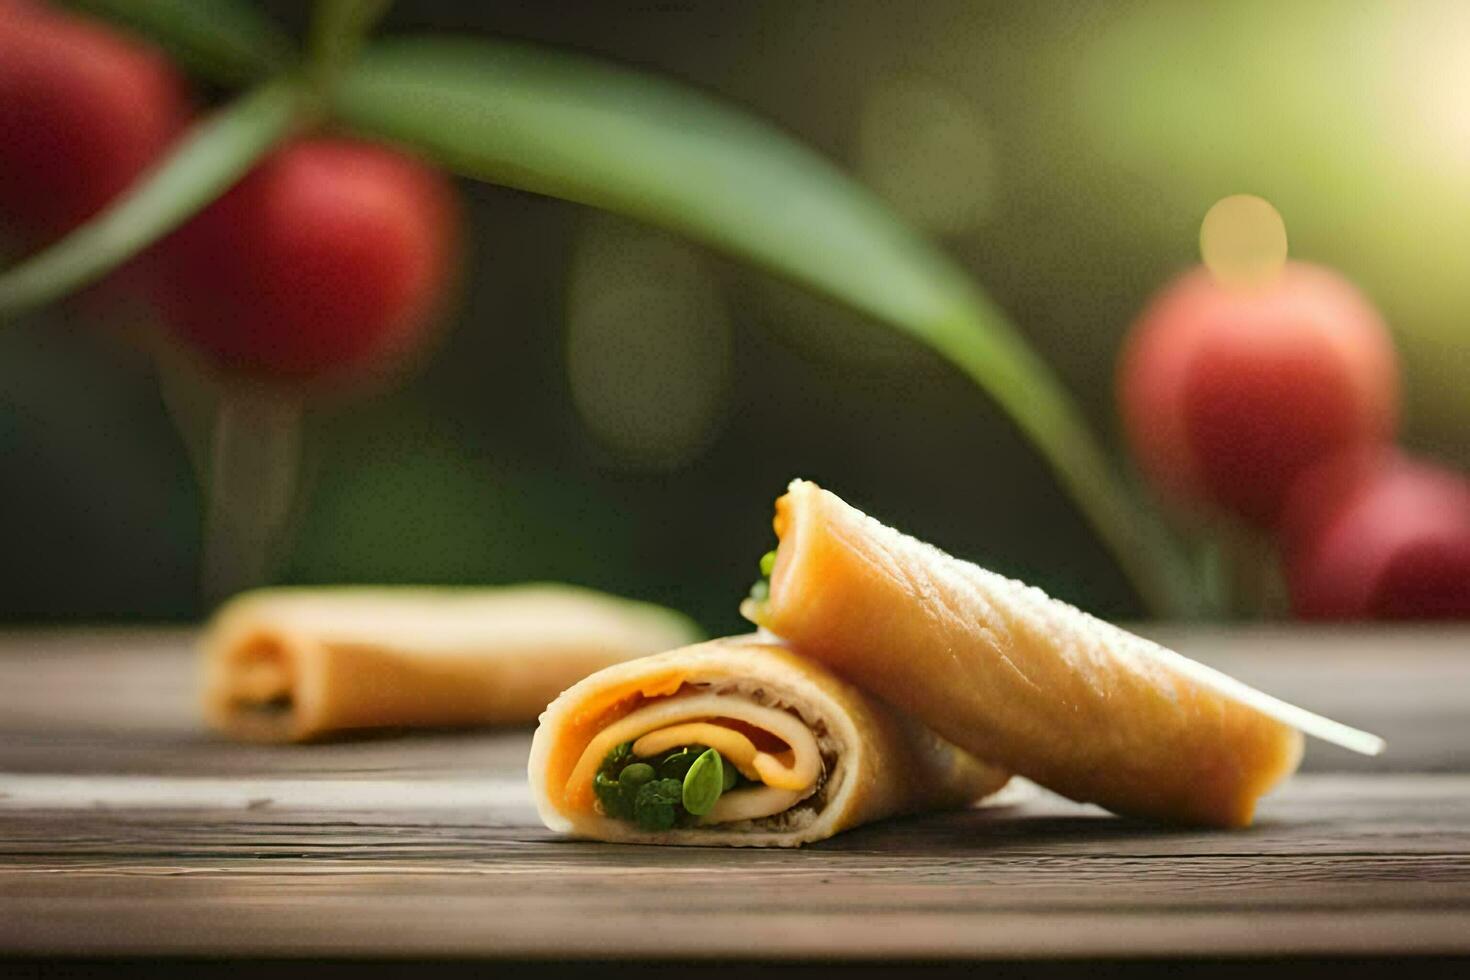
x=736 y=741
x=295 y=664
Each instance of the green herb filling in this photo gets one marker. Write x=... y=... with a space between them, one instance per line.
x=672 y=789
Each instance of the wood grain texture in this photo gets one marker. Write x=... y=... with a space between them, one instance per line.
x=125 y=829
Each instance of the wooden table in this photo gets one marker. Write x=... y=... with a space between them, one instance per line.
x=126 y=831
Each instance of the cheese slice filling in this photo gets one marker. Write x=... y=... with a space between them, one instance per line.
x=787 y=776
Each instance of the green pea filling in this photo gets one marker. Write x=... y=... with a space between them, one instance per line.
x=761 y=590
x=675 y=788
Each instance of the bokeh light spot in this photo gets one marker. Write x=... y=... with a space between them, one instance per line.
x=1243 y=241
x=925 y=148
x=647 y=344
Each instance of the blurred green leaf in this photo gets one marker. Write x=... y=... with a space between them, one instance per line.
x=566 y=126
x=207 y=161
x=229 y=41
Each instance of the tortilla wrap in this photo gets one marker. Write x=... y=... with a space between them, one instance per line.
x=303 y=663
x=830 y=757
x=1024 y=681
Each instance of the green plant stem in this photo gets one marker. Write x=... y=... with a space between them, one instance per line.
x=337 y=31
x=254 y=461
x=1034 y=398
x=569 y=127
x=208 y=160
x=1249 y=562
x=191 y=399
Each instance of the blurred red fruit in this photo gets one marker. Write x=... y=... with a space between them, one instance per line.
x=329 y=259
x=1227 y=394
x=83 y=111
x=1377 y=535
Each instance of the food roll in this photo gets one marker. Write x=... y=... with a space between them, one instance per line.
x=1022 y=680
x=295 y=664
x=736 y=741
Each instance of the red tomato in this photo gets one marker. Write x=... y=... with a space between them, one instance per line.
x=1378 y=535
x=1227 y=394
x=83 y=111
x=328 y=260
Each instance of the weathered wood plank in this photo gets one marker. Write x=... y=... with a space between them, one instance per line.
x=107 y=680
x=490 y=819
x=610 y=916
x=412 y=755
x=126 y=829
x=1409 y=684
x=67 y=695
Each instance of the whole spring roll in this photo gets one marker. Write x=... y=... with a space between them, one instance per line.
x=1022 y=680
x=740 y=742
x=296 y=664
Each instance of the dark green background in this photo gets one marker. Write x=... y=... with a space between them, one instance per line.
x=1110 y=128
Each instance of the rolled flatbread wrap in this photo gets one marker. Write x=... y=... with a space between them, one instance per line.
x=806 y=755
x=1022 y=680
x=296 y=664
